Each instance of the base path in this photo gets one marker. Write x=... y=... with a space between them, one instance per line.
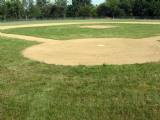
x=92 y=51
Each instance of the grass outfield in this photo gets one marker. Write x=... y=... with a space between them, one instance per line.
x=66 y=21
x=34 y=90
x=66 y=32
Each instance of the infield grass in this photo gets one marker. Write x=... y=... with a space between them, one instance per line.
x=67 y=32
x=67 y=21
x=32 y=90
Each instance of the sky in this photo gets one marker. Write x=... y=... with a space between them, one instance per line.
x=94 y=2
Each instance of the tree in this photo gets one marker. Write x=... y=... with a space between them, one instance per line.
x=2 y=9
x=103 y=10
x=10 y=10
x=5 y=7
x=41 y=4
x=55 y=11
x=25 y=8
x=33 y=11
x=84 y=11
x=77 y=4
x=20 y=8
x=47 y=9
x=127 y=6
x=157 y=9
x=94 y=12
x=70 y=11
x=154 y=8
x=141 y=8
x=62 y=4
x=113 y=6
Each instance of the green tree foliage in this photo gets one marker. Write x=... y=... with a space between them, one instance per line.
x=17 y=9
x=154 y=8
x=94 y=12
x=113 y=6
x=33 y=11
x=62 y=6
x=25 y=4
x=103 y=10
x=127 y=6
x=70 y=11
x=84 y=11
x=140 y=8
x=78 y=4
x=10 y=10
x=54 y=11
x=2 y=9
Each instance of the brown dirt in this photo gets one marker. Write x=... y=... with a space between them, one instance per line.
x=92 y=51
x=98 y=26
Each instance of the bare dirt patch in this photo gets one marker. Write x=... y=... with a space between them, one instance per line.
x=92 y=51
x=86 y=52
x=98 y=26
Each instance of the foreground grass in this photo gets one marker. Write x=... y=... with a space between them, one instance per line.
x=33 y=90
x=66 y=32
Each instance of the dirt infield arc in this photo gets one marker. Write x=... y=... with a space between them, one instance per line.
x=92 y=51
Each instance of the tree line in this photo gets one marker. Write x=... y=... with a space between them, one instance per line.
x=20 y=9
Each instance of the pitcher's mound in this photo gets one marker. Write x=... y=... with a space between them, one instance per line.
x=98 y=26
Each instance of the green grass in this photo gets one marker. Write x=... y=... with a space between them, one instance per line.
x=39 y=91
x=51 y=21
x=64 y=21
x=65 y=32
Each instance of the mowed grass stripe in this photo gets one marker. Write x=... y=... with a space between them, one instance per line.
x=33 y=90
x=67 y=32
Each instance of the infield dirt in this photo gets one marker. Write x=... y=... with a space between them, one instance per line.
x=92 y=51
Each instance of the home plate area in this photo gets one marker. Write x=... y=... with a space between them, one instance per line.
x=96 y=51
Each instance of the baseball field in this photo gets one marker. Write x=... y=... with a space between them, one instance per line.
x=81 y=69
